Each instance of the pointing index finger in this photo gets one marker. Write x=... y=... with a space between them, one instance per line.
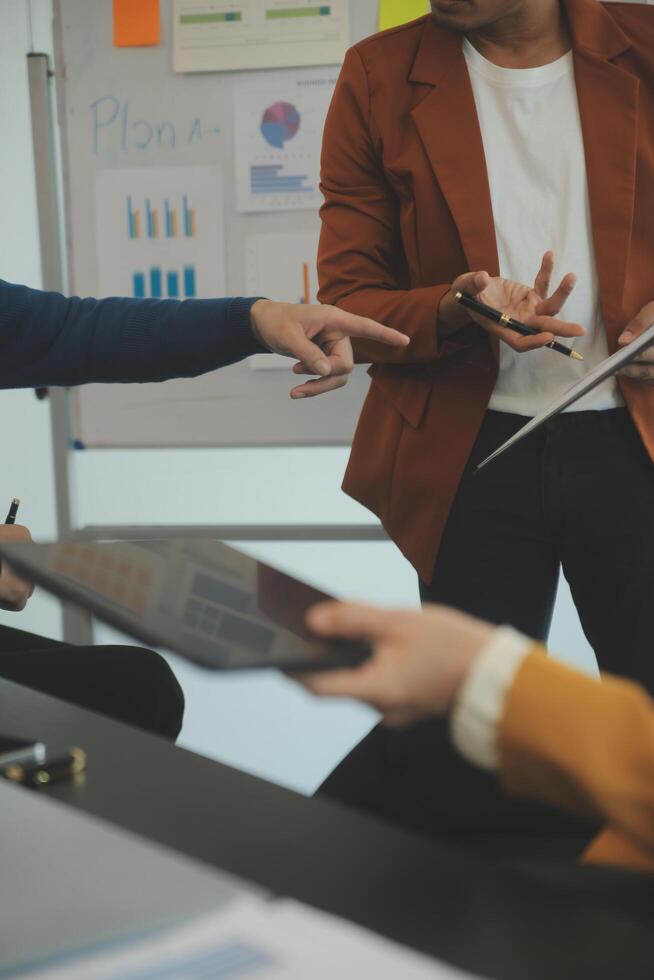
x=352 y=325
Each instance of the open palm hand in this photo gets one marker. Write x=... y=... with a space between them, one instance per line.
x=532 y=305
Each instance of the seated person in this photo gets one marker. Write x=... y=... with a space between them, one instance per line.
x=534 y=759
x=48 y=339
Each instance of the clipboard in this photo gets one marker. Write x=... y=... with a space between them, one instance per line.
x=595 y=377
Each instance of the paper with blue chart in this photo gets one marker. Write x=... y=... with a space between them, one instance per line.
x=160 y=232
x=278 y=123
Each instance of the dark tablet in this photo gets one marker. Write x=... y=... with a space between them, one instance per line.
x=200 y=599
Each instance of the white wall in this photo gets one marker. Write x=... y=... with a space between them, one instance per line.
x=261 y=723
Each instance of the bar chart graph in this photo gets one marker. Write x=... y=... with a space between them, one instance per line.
x=285 y=13
x=171 y=221
x=271 y=179
x=152 y=227
x=133 y=220
x=160 y=233
x=215 y=17
x=189 y=281
x=236 y=35
x=189 y=218
x=150 y=284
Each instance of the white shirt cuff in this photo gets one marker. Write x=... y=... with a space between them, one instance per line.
x=479 y=705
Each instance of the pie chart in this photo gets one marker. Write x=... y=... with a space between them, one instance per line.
x=280 y=123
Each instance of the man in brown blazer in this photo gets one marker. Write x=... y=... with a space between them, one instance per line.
x=471 y=149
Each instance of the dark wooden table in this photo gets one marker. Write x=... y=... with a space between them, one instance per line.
x=495 y=922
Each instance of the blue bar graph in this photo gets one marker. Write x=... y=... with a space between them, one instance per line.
x=189 y=280
x=267 y=179
x=155 y=279
x=155 y=283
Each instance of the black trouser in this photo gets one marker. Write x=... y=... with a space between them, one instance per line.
x=129 y=684
x=579 y=494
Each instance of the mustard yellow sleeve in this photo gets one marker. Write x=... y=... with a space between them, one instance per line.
x=581 y=744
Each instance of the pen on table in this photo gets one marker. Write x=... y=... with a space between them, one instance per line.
x=13 y=510
x=507 y=321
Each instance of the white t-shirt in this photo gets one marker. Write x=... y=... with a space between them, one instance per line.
x=531 y=129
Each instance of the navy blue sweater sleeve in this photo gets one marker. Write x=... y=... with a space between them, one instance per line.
x=48 y=339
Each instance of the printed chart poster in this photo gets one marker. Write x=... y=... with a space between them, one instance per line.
x=284 y=266
x=233 y=35
x=278 y=124
x=160 y=232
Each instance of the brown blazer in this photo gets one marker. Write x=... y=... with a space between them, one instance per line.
x=587 y=747
x=408 y=209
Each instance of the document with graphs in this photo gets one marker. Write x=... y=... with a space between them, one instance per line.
x=278 y=124
x=233 y=35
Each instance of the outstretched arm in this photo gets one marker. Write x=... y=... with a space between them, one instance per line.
x=48 y=339
x=550 y=732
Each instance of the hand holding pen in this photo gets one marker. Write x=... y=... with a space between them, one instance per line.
x=14 y=591
x=498 y=316
x=531 y=306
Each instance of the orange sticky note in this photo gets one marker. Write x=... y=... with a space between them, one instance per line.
x=136 y=22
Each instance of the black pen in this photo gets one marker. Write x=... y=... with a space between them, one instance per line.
x=13 y=510
x=507 y=321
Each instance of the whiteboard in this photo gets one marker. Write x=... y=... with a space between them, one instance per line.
x=125 y=108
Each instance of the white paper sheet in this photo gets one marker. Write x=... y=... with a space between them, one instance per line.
x=604 y=370
x=280 y=940
x=160 y=232
x=233 y=35
x=278 y=124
